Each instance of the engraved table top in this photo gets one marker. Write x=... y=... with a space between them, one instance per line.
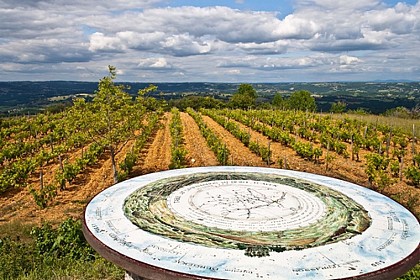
x=250 y=223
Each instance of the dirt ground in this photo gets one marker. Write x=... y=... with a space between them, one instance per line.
x=199 y=154
x=19 y=205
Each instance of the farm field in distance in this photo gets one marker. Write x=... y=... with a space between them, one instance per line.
x=375 y=97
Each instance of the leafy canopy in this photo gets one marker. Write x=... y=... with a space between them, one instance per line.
x=302 y=100
x=244 y=98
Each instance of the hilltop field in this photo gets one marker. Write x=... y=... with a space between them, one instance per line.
x=52 y=164
x=19 y=205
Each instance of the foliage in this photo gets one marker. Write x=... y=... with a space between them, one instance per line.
x=112 y=111
x=395 y=168
x=305 y=150
x=16 y=174
x=338 y=107
x=413 y=174
x=196 y=103
x=244 y=98
x=377 y=170
x=301 y=100
x=178 y=152
x=178 y=158
x=44 y=195
x=127 y=165
x=65 y=241
x=278 y=101
x=261 y=150
x=53 y=253
x=131 y=158
x=402 y=112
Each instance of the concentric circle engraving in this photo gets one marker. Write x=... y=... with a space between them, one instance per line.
x=246 y=205
x=251 y=223
x=246 y=211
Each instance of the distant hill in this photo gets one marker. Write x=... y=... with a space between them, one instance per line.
x=376 y=97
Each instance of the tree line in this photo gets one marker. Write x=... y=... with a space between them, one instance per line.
x=246 y=97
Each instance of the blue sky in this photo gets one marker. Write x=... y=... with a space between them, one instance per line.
x=216 y=41
x=282 y=7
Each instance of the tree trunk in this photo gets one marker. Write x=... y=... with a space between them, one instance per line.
x=413 y=146
x=114 y=165
x=401 y=169
x=63 y=183
x=41 y=178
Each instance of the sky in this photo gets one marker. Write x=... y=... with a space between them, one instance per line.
x=210 y=41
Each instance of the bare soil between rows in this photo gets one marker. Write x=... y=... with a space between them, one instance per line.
x=19 y=205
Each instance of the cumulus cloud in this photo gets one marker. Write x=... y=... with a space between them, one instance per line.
x=184 y=45
x=154 y=63
x=316 y=35
x=279 y=63
x=273 y=48
x=125 y=40
x=401 y=19
x=347 y=60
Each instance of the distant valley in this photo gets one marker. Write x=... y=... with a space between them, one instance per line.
x=375 y=97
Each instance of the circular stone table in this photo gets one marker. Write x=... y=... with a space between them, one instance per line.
x=250 y=223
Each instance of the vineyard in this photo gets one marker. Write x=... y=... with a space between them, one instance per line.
x=53 y=164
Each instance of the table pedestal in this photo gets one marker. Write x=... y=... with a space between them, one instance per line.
x=131 y=276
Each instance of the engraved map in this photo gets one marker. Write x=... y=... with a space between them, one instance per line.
x=252 y=223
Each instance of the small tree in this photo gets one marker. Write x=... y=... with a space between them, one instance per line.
x=112 y=116
x=302 y=100
x=244 y=98
x=338 y=107
x=278 y=101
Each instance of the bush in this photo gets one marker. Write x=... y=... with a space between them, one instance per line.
x=129 y=162
x=304 y=150
x=413 y=174
x=65 y=241
x=52 y=253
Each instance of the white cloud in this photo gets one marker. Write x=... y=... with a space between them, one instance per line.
x=98 y=41
x=68 y=35
x=298 y=27
x=401 y=19
x=154 y=63
x=125 y=40
x=234 y=71
x=347 y=60
x=184 y=45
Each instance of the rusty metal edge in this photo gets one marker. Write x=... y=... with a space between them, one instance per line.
x=134 y=266
x=152 y=272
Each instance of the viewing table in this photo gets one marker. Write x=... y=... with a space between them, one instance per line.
x=230 y=222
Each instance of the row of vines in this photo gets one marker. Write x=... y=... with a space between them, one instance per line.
x=30 y=145
x=213 y=141
x=66 y=144
x=389 y=154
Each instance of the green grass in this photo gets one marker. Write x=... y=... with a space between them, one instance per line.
x=406 y=125
x=45 y=252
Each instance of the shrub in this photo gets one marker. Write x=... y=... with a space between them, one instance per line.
x=413 y=174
